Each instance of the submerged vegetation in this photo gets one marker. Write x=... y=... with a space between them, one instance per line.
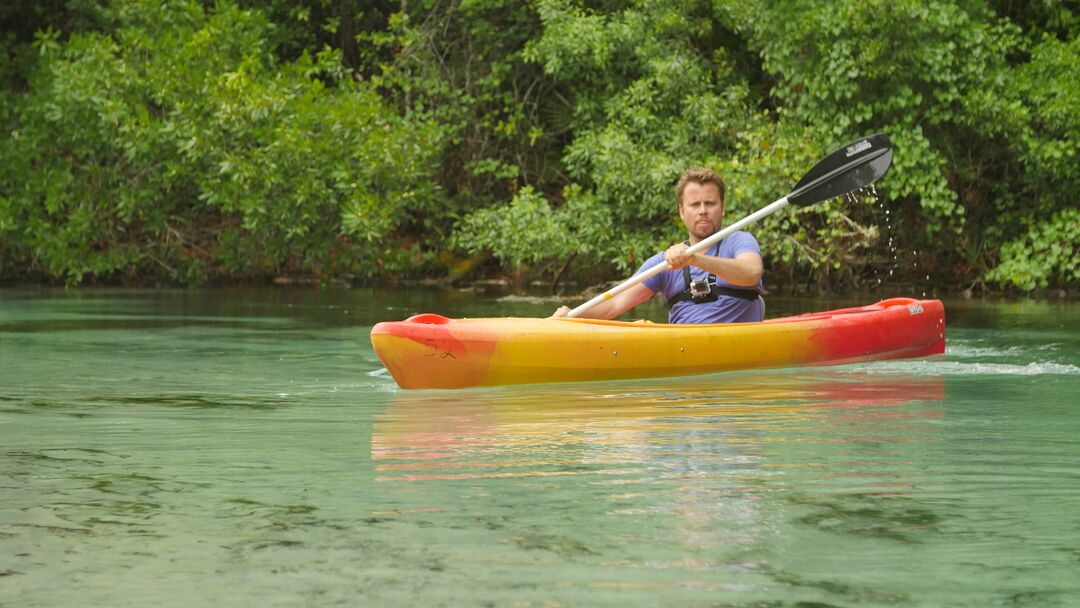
x=194 y=142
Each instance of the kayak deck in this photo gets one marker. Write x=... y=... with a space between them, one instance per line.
x=432 y=351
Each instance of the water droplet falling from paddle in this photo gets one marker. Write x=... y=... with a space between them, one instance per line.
x=892 y=253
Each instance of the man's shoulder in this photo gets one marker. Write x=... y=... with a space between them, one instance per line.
x=741 y=241
x=663 y=282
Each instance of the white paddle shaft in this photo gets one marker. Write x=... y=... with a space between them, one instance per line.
x=663 y=266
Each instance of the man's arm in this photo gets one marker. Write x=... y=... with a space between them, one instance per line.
x=618 y=304
x=745 y=269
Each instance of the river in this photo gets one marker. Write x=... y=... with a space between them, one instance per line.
x=245 y=448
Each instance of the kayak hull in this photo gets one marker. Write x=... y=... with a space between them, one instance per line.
x=431 y=351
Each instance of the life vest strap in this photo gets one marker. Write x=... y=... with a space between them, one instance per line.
x=715 y=291
x=714 y=294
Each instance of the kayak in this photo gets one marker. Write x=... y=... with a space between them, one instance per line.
x=433 y=351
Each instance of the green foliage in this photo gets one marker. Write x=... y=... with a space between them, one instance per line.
x=525 y=231
x=1050 y=148
x=1046 y=254
x=1044 y=257
x=926 y=73
x=647 y=104
x=655 y=88
x=300 y=26
x=178 y=148
x=189 y=141
x=981 y=143
x=460 y=63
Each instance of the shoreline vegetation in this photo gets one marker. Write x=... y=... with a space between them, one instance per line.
x=538 y=290
x=454 y=143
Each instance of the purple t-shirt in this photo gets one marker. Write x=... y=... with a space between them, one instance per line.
x=726 y=309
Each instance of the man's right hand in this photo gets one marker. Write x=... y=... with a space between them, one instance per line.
x=676 y=256
x=561 y=312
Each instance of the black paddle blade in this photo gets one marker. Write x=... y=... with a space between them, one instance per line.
x=855 y=166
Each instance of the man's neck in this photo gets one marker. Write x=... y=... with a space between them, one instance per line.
x=693 y=240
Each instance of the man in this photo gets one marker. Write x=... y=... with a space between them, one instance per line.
x=719 y=285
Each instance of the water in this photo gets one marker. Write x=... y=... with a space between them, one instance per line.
x=245 y=448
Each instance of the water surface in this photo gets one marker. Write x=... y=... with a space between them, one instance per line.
x=246 y=448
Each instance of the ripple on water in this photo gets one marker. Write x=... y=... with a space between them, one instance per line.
x=960 y=368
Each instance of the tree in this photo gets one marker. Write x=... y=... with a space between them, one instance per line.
x=177 y=147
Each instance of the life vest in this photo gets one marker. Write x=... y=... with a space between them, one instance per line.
x=703 y=292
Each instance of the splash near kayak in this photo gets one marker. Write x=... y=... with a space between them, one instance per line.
x=432 y=351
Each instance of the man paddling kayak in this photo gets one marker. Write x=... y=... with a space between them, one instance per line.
x=720 y=285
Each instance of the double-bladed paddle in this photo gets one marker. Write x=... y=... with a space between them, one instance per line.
x=853 y=167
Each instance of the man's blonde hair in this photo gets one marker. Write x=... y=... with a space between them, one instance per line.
x=699 y=175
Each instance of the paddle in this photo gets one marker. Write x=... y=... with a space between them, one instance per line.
x=853 y=167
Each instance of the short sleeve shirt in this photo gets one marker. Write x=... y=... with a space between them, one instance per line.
x=726 y=309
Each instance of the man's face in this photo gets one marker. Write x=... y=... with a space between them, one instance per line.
x=701 y=210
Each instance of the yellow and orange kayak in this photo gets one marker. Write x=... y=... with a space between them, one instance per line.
x=432 y=351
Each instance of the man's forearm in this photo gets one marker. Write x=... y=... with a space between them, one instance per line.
x=744 y=271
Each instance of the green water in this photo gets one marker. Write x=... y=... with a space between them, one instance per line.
x=245 y=448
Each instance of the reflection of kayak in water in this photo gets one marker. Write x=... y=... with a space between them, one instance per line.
x=517 y=433
x=431 y=351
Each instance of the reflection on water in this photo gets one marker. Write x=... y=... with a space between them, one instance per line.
x=681 y=487
x=247 y=449
x=831 y=487
x=486 y=432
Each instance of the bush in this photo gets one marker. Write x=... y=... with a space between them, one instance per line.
x=178 y=148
